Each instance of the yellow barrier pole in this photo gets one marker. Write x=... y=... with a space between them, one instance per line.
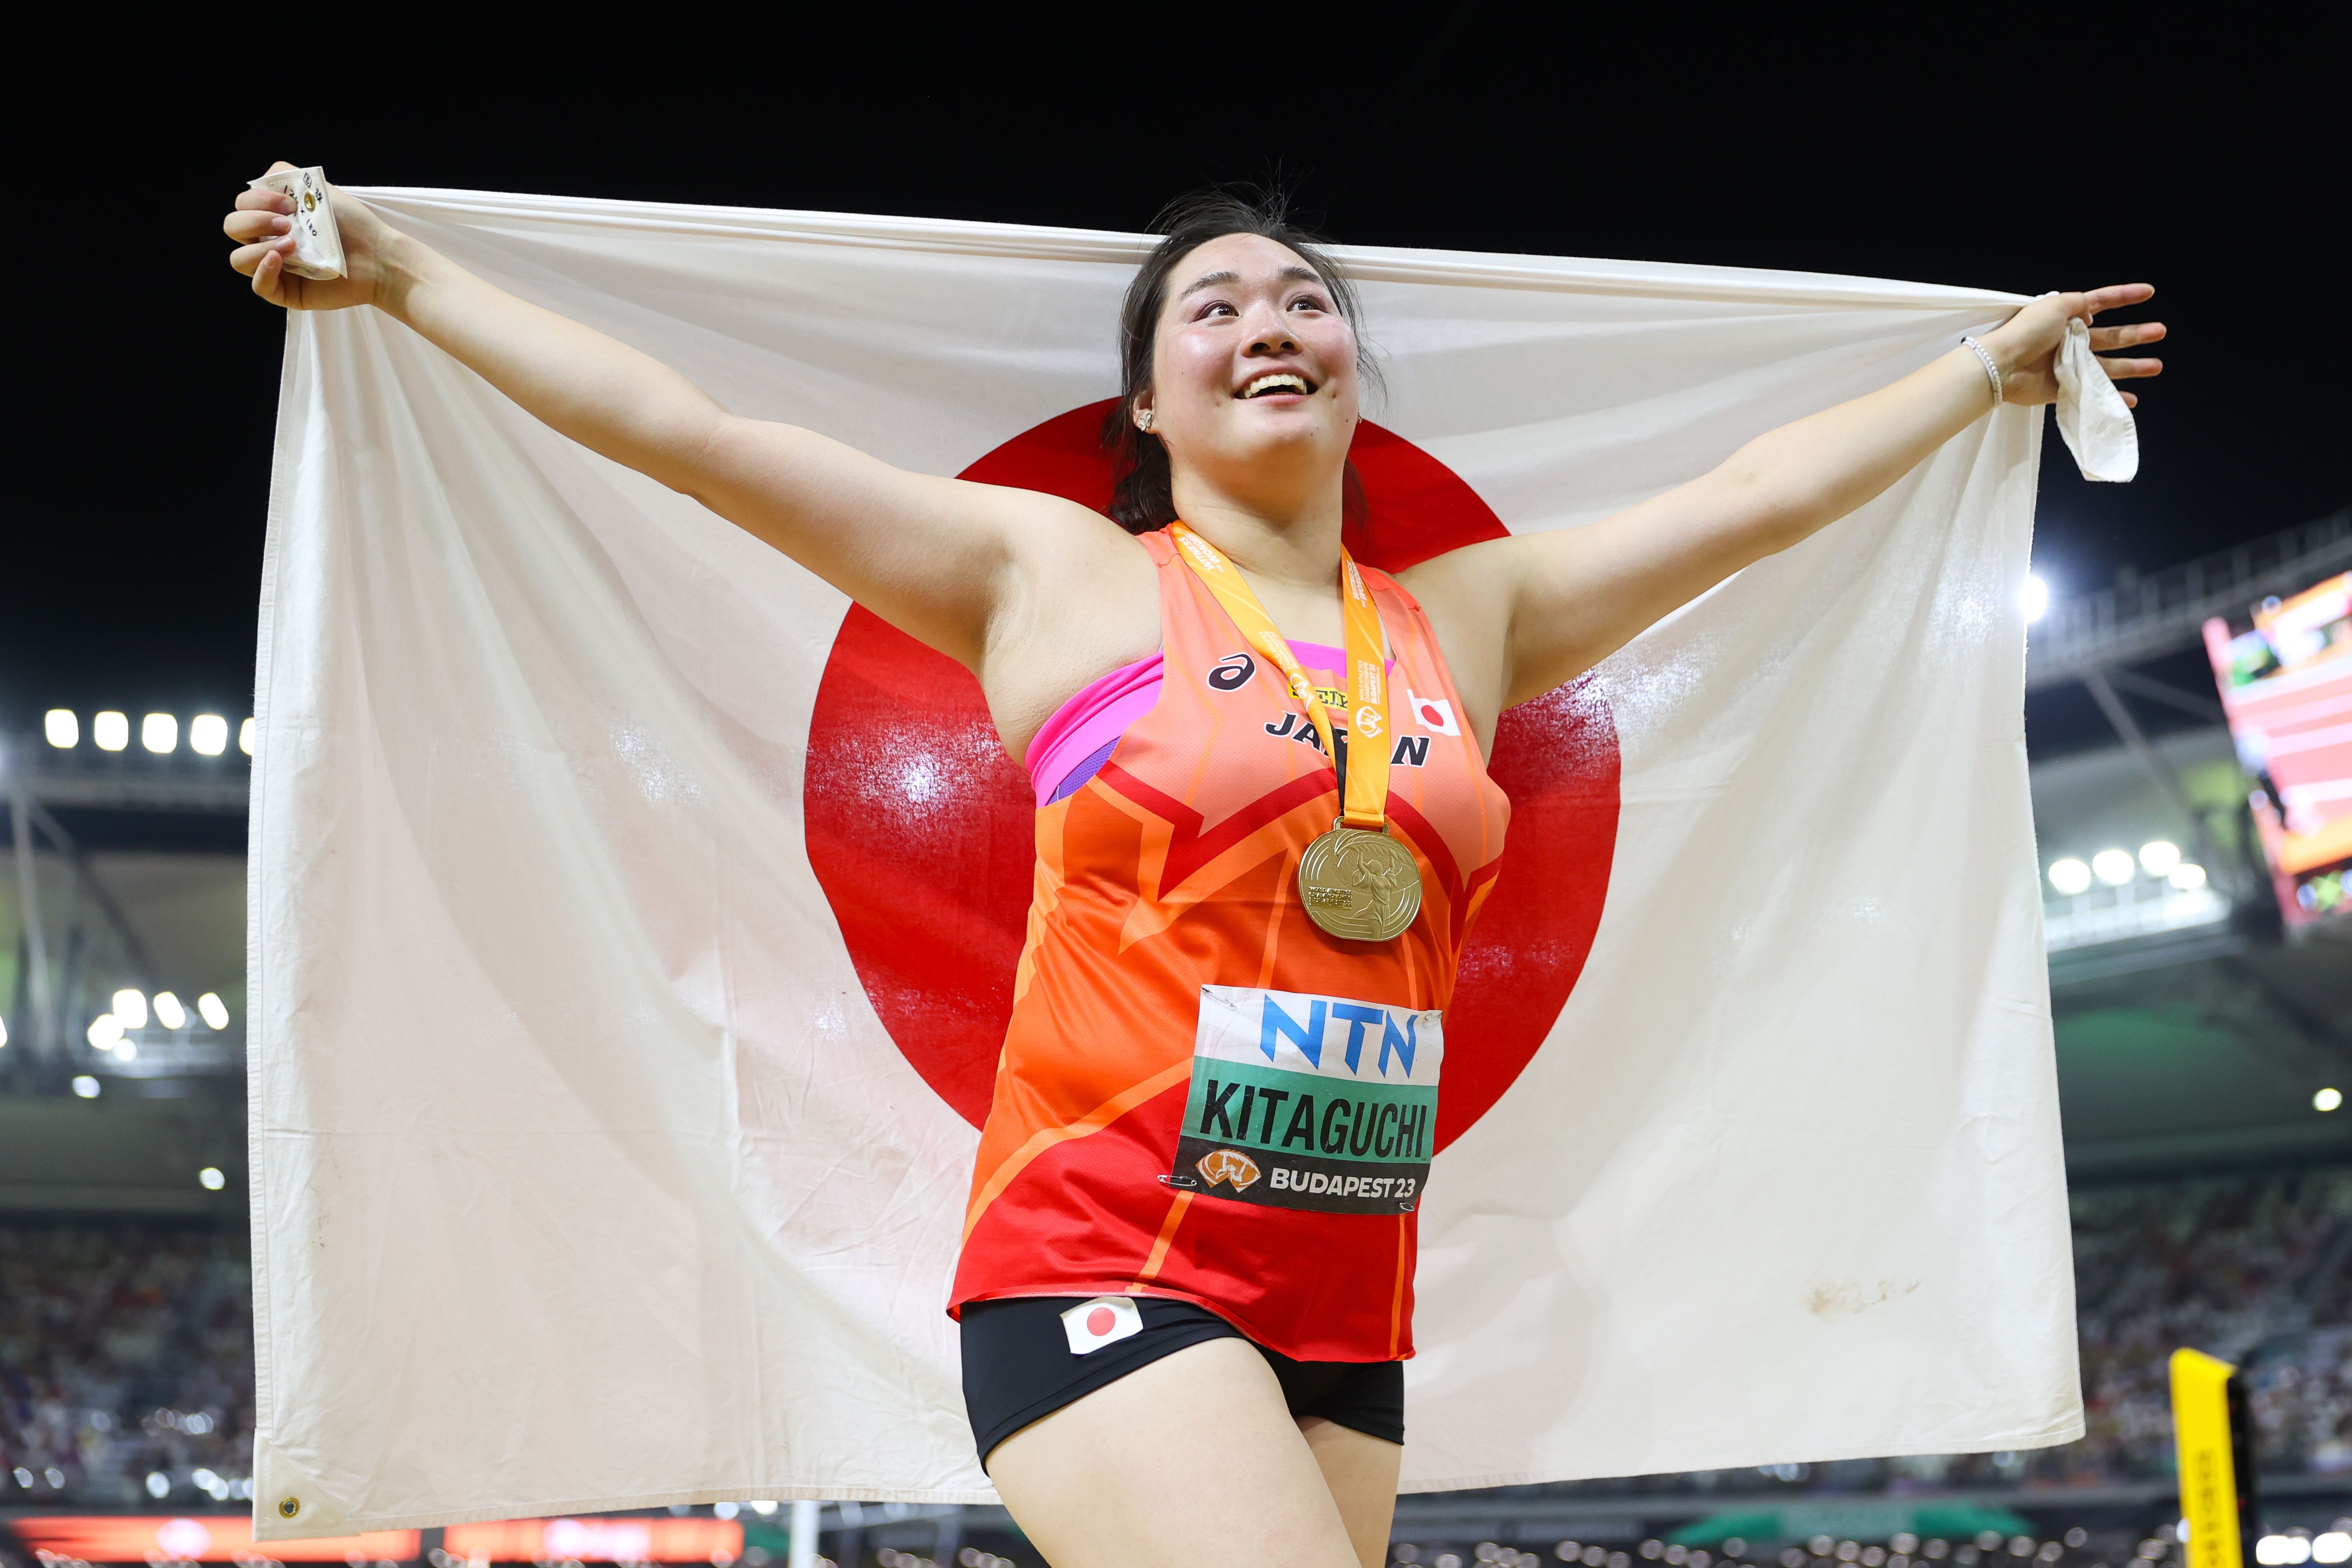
x=2217 y=1471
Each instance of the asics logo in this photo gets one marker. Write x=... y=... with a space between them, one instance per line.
x=1232 y=673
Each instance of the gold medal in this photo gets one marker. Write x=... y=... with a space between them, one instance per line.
x=1360 y=884
x=1356 y=881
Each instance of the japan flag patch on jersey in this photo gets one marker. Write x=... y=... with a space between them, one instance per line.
x=1434 y=714
x=1106 y=1320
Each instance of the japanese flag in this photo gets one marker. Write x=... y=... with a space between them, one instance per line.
x=634 y=921
x=1105 y=1320
x=1434 y=714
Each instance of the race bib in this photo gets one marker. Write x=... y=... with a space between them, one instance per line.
x=1310 y=1102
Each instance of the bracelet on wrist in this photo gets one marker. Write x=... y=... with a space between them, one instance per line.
x=1992 y=371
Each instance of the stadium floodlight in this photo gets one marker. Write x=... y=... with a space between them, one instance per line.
x=131 y=1006
x=104 y=1031
x=168 y=1011
x=212 y=1010
x=126 y=1051
x=2331 y=1546
x=2034 y=599
x=2327 y=1100
x=62 y=728
x=2113 y=867
x=211 y=1179
x=2070 y=876
x=2157 y=857
x=244 y=737
x=208 y=734
x=85 y=1087
x=110 y=729
x=159 y=1485
x=160 y=733
x=2188 y=877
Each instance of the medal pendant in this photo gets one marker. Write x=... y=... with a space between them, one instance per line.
x=1358 y=884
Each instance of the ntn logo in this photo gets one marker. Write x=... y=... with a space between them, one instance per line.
x=1308 y=1034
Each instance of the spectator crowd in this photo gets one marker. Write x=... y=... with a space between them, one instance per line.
x=126 y=1352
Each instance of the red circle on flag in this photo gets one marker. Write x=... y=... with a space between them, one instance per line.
x=1099 y=1321
x=921 y=830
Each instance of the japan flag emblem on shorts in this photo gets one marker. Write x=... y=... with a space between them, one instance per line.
x=1106 y=1320
x=1434 y=714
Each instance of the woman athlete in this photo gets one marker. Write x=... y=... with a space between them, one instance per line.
x=1185 y=1292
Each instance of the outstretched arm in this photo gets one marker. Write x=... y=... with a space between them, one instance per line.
x=1576 y=595
x=939 y=559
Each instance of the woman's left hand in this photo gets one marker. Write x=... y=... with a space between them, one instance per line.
x=2026 y=345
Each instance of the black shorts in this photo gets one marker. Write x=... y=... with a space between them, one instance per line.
x=1019 y=1367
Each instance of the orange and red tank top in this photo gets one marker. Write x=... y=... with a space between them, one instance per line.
x=1202 y=1094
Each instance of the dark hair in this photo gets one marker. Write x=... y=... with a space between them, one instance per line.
x=1141 y=499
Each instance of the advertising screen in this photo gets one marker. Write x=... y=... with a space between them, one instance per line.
x=630 y=1539
x=228 y=1538
x=208 y=1538
x=2287 y=688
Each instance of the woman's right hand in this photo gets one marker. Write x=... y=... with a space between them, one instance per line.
x=262 y=226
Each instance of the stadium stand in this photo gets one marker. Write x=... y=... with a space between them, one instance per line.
x=126 y=1351
x=2250 y=1268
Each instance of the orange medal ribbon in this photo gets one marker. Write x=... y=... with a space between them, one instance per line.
x=1356 y=881
x=1367 y=774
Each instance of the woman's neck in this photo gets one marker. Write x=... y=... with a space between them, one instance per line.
x=1299 y=551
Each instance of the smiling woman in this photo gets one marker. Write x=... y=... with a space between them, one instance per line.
x=1142 y=500
x=1186 y=1289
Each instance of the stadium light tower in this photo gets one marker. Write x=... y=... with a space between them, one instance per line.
x=63 y=730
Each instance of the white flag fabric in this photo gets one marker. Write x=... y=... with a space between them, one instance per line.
x=632 y=918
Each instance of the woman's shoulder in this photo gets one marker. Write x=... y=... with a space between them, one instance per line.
x=1381 y=581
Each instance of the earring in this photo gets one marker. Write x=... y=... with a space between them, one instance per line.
x=1143 y=421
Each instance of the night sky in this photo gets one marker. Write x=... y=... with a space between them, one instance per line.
x=2023 y=158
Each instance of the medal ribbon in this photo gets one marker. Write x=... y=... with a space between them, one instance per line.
x=1365 y=779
